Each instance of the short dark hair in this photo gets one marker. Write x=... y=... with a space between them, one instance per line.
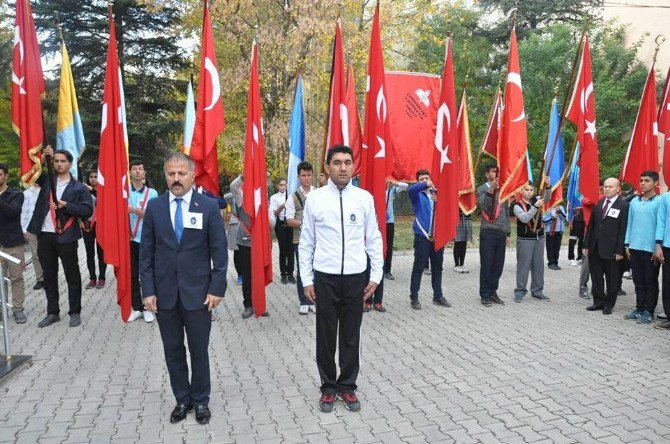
x=653 y=175
x=279 y=179
x=66 y=153
x=490 y=166
x=422 y=172
x=339 y=149
x=180 y=157
x=4 y=167
x=304 y=166
x=136 y=162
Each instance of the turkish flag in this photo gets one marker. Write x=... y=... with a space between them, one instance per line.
x=642 y=152
x=113 y=228
x=664 y=127
x=376 y=154
x=492 y=135
x=582 y=112
x=255 y=191
x=27 y=89
x=354 y=120
x=466 y=184
x=337 y=120
x=209 y=116
x=445 y=171
x=512 y=146
x=412 y=102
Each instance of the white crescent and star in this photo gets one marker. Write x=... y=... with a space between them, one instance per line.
x=515 y=79
x=17 y=41
x=216 y=85
x=443 y=114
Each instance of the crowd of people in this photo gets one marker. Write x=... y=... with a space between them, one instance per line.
x=330 y=248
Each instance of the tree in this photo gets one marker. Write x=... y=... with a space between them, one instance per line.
x=151 y=61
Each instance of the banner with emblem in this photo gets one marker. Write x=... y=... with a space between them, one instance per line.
x=413 y=100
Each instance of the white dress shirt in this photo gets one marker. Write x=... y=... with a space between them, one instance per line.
x=277 y=200
x=185 y=204
x=48 y=224
x=339 y=233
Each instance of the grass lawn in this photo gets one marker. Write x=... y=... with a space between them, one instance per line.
x=404 y=235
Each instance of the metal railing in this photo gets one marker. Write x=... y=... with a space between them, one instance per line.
x=3 y=300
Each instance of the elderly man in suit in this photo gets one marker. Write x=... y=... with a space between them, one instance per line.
x=183 y=260
x=605 y=238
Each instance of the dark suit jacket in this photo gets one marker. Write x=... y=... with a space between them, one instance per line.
x=607 y=234
x=79 y=205
x=191 y=269
x=11 y=234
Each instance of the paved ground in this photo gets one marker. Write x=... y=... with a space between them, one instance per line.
x=533 y=372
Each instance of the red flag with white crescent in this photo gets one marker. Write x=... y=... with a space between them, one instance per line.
x=466 y=188
x=642 y=152
x=490 y=142
x=581 y=111
x=664 y=128
x=445 y=171
x=376 y=155
x=209 y=116
x=512 y=146
x=354 y=121
x=337 y=120
x=27 y=89
x=255 y=191
x=113 y=228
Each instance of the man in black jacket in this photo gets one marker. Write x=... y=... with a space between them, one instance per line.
x=12 y=241
x=605 y=238
x=58 y=232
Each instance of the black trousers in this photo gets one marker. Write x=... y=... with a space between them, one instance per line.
x=645 y=278
x=236 y=262
x=459 y=253
x=553 y=243
x=666 y=281
x=91 y=246
x=577 y=231
x=611 y=269
x=245 y=271
x=390 y=234
x=340 y=302
x=136 y=290
x=49 y=251
x=173 y=324
x=492 y=260
x=285 y=240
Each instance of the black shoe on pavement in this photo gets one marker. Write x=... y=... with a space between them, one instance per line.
x=247 y=313
x=327 y=403
x=380 y=308
x=75 y=320
x=621 y=292
x=442 y=302
x=496 y=300
x=19 y=316
x=416 y=305
x=284 y=280
x=665 y=325
x=291 y=279
x=594 y=308
x=48 y=320
x=486 y=302
x=367 y=308
x=179 y=413
x=389 y=276
x=607 y=311
x=202 y=414
x=38 y=285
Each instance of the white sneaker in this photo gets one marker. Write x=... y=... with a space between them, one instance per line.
x=628 y=275
x=134 y=315
x=457 y=269
x=464 y=270
x=148 y=317
x=303 y=310
x=312 y=308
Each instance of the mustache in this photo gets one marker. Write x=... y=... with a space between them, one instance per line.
x=176 y=184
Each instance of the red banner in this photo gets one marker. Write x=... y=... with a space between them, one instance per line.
x=664 y=128
x=354 y=120
x=255 y=191
x=337 y=125
x=113 y=229
x=413 y=101
x=466 y=189
x=27 y=90
x=209 y=116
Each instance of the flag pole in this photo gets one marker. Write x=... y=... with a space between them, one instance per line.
x=490 y=116
x=561 y=119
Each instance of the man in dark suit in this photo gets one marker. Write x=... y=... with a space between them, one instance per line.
x=183 y=261
x=55 y=224
x=605 y=238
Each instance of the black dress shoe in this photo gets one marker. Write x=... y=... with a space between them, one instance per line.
x=38 y=285
x=284 y=280
x=594 y=307
x=202 y=414
x=179 y=413
x=291 y=279
x=607 y=311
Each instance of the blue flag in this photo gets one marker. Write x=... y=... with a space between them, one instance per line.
x=574 y=196
x=296 y=139
x=554 y=167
